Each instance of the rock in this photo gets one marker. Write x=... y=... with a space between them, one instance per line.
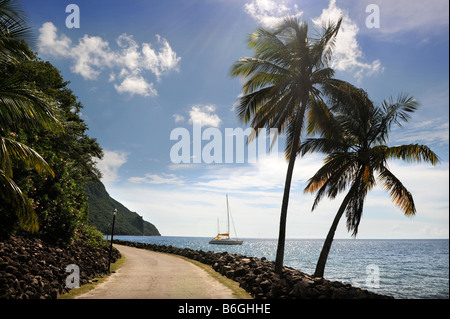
x=11 y=269
x=33 y=269
x=240 y=271
x=265 y=285
x=3 y=265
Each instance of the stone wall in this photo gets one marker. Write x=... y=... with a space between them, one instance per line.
x=33 y=269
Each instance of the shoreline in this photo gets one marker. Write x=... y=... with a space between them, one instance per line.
x=256 y=276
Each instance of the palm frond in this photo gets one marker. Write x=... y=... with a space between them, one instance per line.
x=12 y=20
x=323 y=46
x=363 y=182
x=333 y=177
x=268 y=46
x=11 y=149
x=320 y=75
x=321 y=120
x=261 y=80
x=322 y=145
x=249 y=104
x=394 y=112
x=12 y=194
x=248 y=66
x=412 y=153
x=276 y=113
x=13 y=32
x=354 y=209
x=399 y=194
x=21 y=106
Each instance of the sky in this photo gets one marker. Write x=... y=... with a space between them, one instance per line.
x=148 y=71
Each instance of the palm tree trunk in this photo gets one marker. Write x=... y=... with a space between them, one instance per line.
x=320 y=267
x=287 y=187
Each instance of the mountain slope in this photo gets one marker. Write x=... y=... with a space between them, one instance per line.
x=101 y=208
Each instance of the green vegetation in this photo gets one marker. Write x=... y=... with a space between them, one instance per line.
x=59 y=202
x=94 y=237
x=47 y=160
x=101 y=207
x=22 y=106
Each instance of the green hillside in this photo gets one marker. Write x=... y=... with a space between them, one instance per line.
x=101 y=208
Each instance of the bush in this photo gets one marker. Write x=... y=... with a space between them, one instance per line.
x=94 y=236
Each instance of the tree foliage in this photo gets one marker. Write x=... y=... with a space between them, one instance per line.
x=21 y=107
x=58 y=200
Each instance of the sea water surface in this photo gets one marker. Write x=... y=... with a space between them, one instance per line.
x=405 y=269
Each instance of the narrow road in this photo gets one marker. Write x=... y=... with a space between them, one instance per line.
x=152 y=275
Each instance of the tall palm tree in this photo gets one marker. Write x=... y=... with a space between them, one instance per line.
x=283 y=82
x=355 y=143
x=20 y=107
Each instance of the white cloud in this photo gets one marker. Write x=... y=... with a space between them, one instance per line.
x=178 y=118
x=112 y=77
x=268 y=173
x=136 y=85
x=109 y=165
x=270 y=13
x=347 y=55
x=160 y=62
x=205 y=115
x=430 y=132
x=128 y=64
x=130 y=56
x=91 y=54
x=170 y=179
x=49 y=41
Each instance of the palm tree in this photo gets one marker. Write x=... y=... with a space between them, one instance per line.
x=20 y=107
x=357 y=154
x=284 y=81
x=13 y=32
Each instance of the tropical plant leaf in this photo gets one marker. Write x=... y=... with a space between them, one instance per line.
x=11 y=149
x=13 y=195
x=399 y=194
x=412 y=153
x=21 y=106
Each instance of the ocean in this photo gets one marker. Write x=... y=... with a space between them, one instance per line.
x=404 y=269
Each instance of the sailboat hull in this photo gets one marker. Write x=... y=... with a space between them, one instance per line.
x=225 y=242
x=224 y=238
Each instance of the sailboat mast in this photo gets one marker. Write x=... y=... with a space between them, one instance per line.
x=228 y=218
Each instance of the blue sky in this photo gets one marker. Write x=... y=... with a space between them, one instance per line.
x=144 y=68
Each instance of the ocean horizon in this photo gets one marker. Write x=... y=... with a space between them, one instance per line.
x=402 y=268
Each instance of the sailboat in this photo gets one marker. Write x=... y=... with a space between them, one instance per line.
x=224 y=238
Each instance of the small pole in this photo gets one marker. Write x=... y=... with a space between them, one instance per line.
x=112 y=235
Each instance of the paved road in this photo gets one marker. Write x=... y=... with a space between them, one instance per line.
x=152 y=275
